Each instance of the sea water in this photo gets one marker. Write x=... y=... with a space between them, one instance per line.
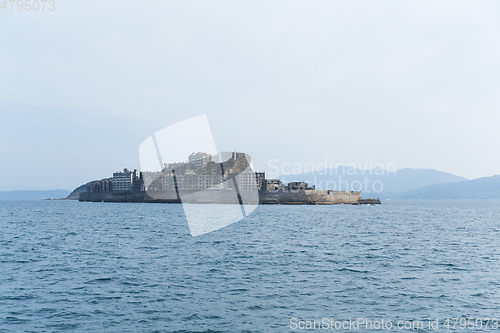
x=130 y=267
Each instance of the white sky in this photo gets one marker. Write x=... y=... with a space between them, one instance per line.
x=415 y=83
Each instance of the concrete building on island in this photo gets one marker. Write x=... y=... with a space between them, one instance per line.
x=199 y=159
x=297 y=186
x=125 y=181
x=272 y=185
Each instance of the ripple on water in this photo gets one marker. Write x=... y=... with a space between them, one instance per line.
x=69 y=266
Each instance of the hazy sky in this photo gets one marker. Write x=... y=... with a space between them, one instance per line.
x=415 y=83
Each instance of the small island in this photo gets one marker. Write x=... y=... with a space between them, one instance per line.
x=203 y=179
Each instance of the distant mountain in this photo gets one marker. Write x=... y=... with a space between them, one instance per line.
x=481 y=188
x=375 y=180
x=33 y=195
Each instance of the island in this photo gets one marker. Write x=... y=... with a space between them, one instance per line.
x=205 y=179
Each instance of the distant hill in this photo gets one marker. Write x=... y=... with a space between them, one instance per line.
x=33 y=195
x=75 y=195
x=76 y=192
x=481 y=188
x=400 y=181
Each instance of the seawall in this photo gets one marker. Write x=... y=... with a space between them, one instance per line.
x=309 y=197
x=301 y=197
